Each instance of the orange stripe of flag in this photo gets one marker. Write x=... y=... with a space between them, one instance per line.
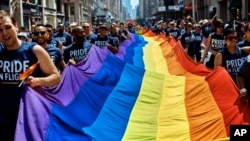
x=28 y=72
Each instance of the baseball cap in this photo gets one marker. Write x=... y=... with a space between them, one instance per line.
x=22 y=34
x=104 y=26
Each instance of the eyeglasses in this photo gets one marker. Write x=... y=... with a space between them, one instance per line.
x=38 y=33
x=230 y=38
x=85 y=27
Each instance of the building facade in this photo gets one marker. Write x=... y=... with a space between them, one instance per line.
x=227 y=10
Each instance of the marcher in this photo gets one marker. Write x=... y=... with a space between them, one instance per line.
x=79 y=49
x=41 y=36
x=231 y=57
x=246 y=40
x=51 y=39
x=173 y=31
x=64 y=37
x=186 y=39
x=215 y=42
x=103 y=40
x=17 y=56
x=89 y=34
x=243 y=79
x=196 y=43
x=23 y=36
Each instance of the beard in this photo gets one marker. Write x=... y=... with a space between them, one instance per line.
x=79 y=39
x=41 y=42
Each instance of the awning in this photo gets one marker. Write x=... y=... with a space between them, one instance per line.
x=235 y=4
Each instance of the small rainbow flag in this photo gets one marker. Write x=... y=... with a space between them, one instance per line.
x=23 y=76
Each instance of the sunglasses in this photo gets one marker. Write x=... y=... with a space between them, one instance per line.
x=38 y=33
x=49 y=31
x=230 y=38
x=21 y=37
x=85 y=27
x=220 y=26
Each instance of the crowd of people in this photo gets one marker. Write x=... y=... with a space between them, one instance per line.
x=50 y=47
x=227 y=42
x=54 y=47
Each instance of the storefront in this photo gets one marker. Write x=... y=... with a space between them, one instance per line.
x=31 y=14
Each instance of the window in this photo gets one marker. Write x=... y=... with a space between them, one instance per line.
x=72 y=9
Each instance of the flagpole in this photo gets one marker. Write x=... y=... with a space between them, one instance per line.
x=234 y=24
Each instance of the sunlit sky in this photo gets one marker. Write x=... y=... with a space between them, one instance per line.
x=134 y=3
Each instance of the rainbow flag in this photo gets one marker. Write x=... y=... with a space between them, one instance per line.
x=150 y=90
x=28 y=72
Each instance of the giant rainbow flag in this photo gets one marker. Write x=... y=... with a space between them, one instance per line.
x=150 y=90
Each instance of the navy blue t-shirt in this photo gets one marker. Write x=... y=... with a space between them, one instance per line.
x=206 y=30
x=54 y=42
x=217 y=41
x=100 y=41
x=243 y=43
x=77 y=53
x=186 y=39
x=197 y=40
x=65 y=38
x=55 y=54
x=174 y=32
x=244 y=72
x=91 y=36
x=233 y=62
x=114 y=40
x=12 y=64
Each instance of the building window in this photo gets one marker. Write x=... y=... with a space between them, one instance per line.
x=72 y=9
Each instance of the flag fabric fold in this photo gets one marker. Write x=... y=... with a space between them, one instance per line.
x=150 y=90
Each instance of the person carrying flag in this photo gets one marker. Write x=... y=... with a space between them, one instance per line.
x=16 y=57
